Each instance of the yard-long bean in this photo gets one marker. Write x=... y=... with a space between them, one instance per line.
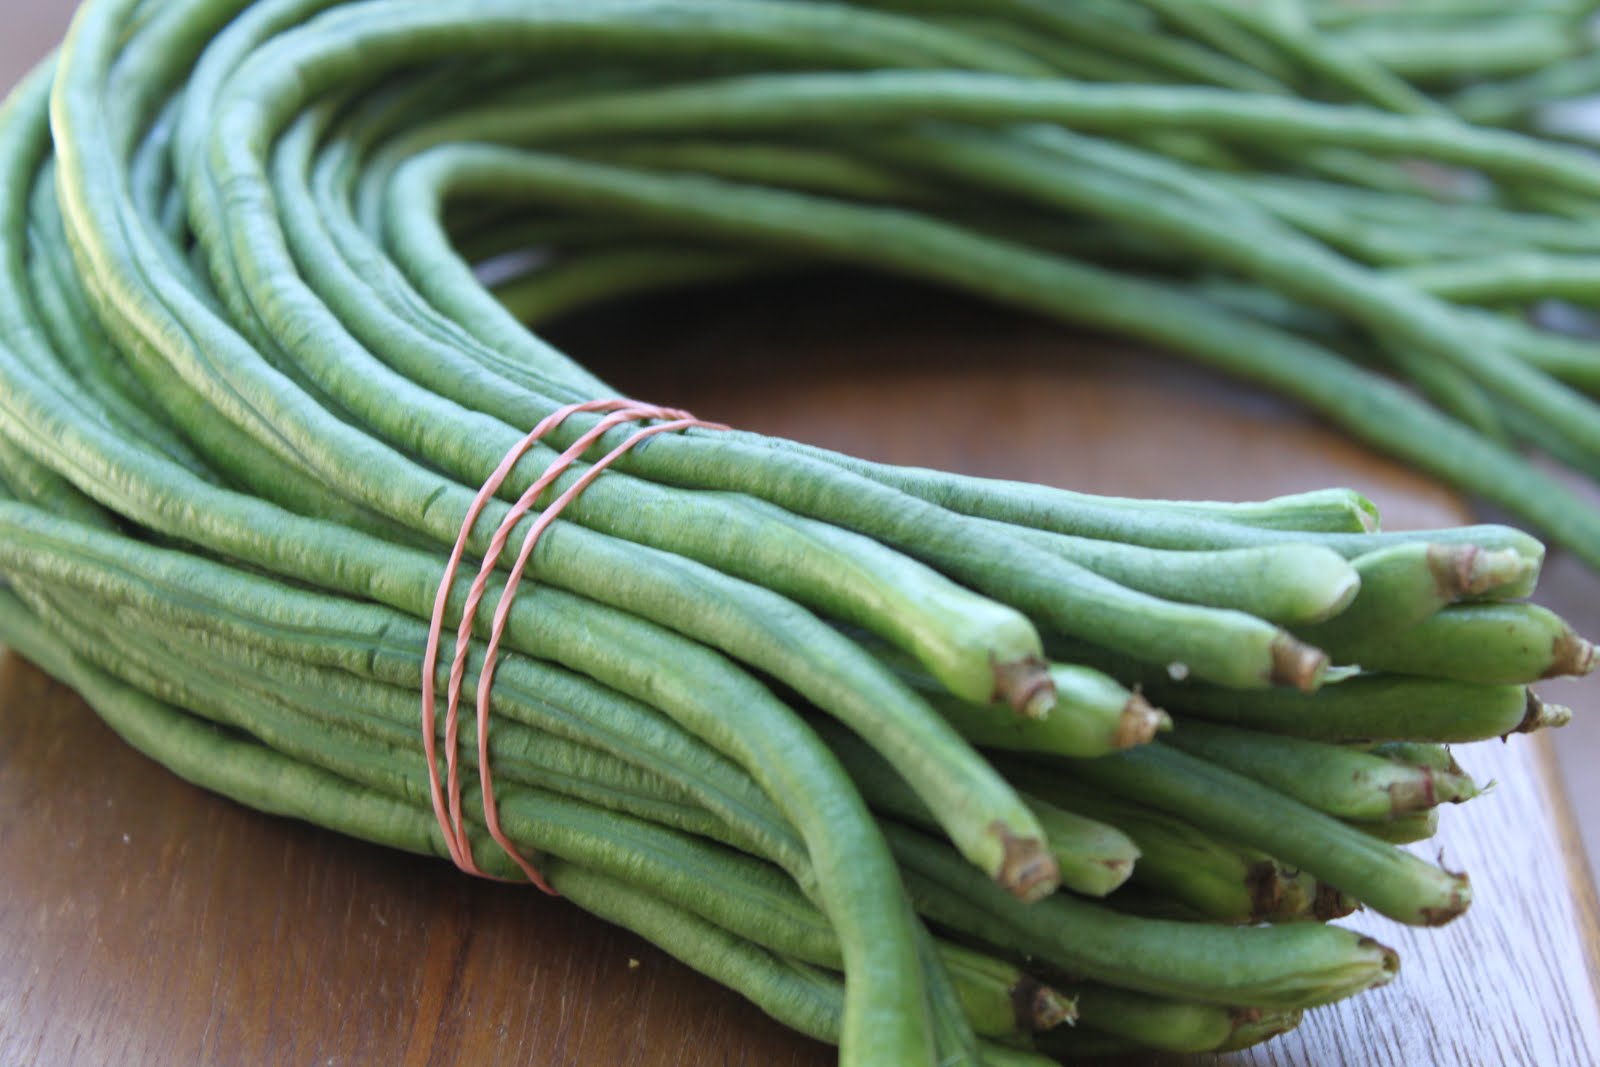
x=274 y=284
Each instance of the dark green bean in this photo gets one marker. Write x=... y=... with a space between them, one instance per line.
x=1286 y=967
x=1094 y=858
x=1367 y=707
x=1330 y=778
x=1384 y=878
x=1211 y=877
x=1485 y=644
x=1405 y=830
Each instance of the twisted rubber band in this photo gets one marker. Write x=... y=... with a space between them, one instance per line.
x=447 y=796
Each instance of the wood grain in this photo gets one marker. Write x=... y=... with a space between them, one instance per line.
x=148 y=922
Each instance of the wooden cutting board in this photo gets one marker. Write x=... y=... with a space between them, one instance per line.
x=144 y=921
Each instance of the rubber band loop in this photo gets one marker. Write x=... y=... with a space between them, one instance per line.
x=446 y=796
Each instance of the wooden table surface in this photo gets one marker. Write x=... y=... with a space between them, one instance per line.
x=145 y=921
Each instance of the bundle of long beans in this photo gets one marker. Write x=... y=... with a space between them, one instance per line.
x=865 y=743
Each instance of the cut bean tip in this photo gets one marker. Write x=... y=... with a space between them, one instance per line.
x=1456 y=904
x=1331 y=903
x=1297 y=664
x=1428 y=789
x=1139 y=722
x=1252 y=1026
x=1121 y=870
x=1499 y=569
x=1571 y=656
x=1542 y=716
x=1040 y=1008
x=1388 y=959
x=1451 y=788
x=1026 y=686
x=1468 y=570
x=1453 y=567
x=1027 y=869
x=1265 y=888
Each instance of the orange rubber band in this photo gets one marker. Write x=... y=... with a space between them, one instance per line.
x=447 y=796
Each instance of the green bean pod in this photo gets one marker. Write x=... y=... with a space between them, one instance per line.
x=1368 y=707
x=1255 y=1027
x=1168 y=1025
x=1404 y=830
x=1000 y=999
x=1093 y=858
x=1405 y=584
x=1390 y=881
x=1330 y=778
x=1285 y=967
x=1177 y=861
x=748 y=899
x=1083 y=1043
x=1482 y=644
x=1433 y=756
x=1289 y=584
x=1094 y=715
